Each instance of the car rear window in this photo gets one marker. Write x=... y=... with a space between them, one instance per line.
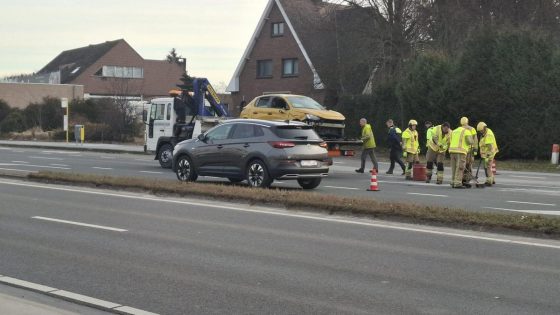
x=296 y=132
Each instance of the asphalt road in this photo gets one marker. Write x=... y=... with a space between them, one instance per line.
x=516 y=191
x=179 y=256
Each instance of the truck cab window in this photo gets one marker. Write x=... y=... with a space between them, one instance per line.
x=169 y=111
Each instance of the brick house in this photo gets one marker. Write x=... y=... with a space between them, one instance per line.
x=114 y=68
x=306 y=47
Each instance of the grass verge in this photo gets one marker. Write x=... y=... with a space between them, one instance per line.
x=533 y=225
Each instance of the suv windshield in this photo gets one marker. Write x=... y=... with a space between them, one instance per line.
x=296 y=132
x=304 y=102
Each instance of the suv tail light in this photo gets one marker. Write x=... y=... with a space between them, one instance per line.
x=282 y=144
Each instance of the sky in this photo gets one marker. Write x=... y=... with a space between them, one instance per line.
x=211 y=34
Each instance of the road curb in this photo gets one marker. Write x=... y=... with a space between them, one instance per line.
x=107 y=306
x=99 y=150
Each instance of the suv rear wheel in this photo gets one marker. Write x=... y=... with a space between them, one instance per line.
x=309 y=183
x=185 y=170
x=257 y=174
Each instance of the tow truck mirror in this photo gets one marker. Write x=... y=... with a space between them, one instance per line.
x=202 y=137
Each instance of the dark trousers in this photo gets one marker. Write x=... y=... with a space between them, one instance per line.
x=395 y=156
x=371 y=153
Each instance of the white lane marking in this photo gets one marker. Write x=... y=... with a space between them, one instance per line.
x=61 y=152
x=143 y=160
x=102 y=168
x=80 y=224
x=17 y=170
x=20 y=162
x=32 y=165
x=151 y=172
x=46 y=158
x=280 y=212
x=62 y=165
x=529 y=177
x=346 y=188
x=549 y=212
x=533 y=203
x=532 y=191
x=6 y=149
x=276 y=182
x=108 y=157
x=19 y=151
x=429 y=195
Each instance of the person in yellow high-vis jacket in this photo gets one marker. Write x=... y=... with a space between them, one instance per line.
x=488 y=149
x=368 y=147
x=437 y=146
x=411 y=148
x=459 y=146
x=473 y=151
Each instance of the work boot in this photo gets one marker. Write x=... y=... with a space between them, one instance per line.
x=359 y=170
x=488 y=184
x=389 y=172
x=428 y=179
x=439 y=182
x=458 y=187
x=403 y=173
x=408 y=177
x=467 y=185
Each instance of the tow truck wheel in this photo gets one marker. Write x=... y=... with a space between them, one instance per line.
x=185 y=170
x=166 y=155
x=257 y=174
x=309 y=183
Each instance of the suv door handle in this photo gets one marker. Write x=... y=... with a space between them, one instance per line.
x=162 y=130
x=246 y=145
x=220 y=146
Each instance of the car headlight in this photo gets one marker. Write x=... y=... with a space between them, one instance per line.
x=312 y=117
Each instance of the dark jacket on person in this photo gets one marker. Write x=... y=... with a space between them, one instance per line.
x=394 y=138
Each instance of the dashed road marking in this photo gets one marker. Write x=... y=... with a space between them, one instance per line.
x=548 y=212
x=345 y=188
x=151 y=172
x=101 y=227
x=45 y=158
x=61 y=165
x=529 y=177
x=429 y=195
x=102 y=168
x=20 y=162
x=33 y=165
x=533 y=203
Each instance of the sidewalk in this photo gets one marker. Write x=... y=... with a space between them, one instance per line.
x=96 y=147
x=14 y=301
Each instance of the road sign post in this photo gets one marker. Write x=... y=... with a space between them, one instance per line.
x=64 y=104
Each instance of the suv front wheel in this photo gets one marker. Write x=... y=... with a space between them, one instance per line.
x=257 y=174
x=309 y=183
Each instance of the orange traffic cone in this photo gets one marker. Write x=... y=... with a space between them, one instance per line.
x=373 y=183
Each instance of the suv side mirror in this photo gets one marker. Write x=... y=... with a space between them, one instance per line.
x=202 y=137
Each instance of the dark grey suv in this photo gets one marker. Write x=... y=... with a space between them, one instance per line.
x=258 y=151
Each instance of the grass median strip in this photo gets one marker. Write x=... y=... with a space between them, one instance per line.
x=534 y=225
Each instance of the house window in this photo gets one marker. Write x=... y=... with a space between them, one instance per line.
x=290 y=67
x=121 y=72
x=264 y=69
x=277 y=29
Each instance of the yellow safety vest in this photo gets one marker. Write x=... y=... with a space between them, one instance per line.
x=410 y=141
x=439 y=141
x=488 y=144
x=461 y=139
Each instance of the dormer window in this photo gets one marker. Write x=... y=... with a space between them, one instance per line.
x=277 y=29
